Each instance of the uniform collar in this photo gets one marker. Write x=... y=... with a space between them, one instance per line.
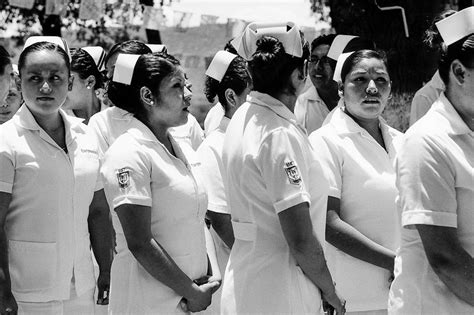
x=224 y=123
x=312 y=94
x=26 y=120
x=454 y=123
x=436 y=82
x=273 y=104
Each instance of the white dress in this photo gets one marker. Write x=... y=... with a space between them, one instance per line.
x=269 y=167
x=139 y=170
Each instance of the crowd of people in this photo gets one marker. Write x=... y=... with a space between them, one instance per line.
x=296 y=198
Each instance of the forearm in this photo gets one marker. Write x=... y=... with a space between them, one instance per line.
x=222 y=224
x=5 y=283
x=346 y=238
x=310 y=257
x=156 y=261
x=101 y=237
x=211 y=255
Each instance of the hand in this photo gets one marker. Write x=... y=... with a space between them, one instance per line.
x=202 y=300
x=336 y=304
x=8 y=304
x=103 y=285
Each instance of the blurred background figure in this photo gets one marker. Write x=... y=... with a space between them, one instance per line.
x=10 y=97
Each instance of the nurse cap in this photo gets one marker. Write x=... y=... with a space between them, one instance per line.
x=287 y=33
x=124 y=66
x=457 y=26
x=98 y=54
x=219 y=64
x=157 y=48
x=61 y=42
x=339 y=45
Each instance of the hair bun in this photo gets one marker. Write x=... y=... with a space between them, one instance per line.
x=270 y=45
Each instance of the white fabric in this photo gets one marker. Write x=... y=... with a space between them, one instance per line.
x=213 y=118
x=171 y=187
x=425 y=97
x=362 y=176
x=457 y=26
x=109 y=124
x=436 y=181
x=219 y=64
x=210 y=156
x=46 y=225
x=269 y=167
x=310 y=110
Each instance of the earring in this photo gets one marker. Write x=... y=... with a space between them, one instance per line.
x=151 y=103
x=341 y=93
x=88 y=87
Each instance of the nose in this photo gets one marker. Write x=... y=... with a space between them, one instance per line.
x=45 y=88
x=371 y=88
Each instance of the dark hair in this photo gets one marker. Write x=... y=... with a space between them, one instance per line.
x=149 y=71
x=431 y=36
x=230 y=48
x=83 y=63
x=326 y=39
x=462 y=50
x=236 y=78
x=4 y=59
x=128 y=47
x=43 y=46
x=271 y=66
x=357 y=57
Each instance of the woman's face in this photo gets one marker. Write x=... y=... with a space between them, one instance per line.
x=171 y=109
x=10 y=97
x=45 y=81
x=79 y=95
x=367 y=89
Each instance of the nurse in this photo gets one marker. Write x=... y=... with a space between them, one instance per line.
x=229 y=80
x=10 y=98
x=83 y=100
x=52 y=205
x=434 y=269
x=357 y=148
x=154 y=189
x=275 y=189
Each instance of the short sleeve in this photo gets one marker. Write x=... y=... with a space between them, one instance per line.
x=95 y=127
x=330 y=158
x=281 y=162
x=197 y=134
x=426 y=182
x=126 y=174
x=7 y=167
x=211 y=166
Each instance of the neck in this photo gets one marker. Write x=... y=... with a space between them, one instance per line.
x=465 y=112
x=289 y=99
x=49 y=123
x=371 y=126
x=85 y=112
x=329 y=96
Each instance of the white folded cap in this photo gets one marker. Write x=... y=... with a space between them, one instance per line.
x=157 y=48
x=219 y=64
x=287 y=33
x=340 y=62
x=457 y=26
x=98 y=54
x=124 y=66
x=338 y=45
x=61 y=42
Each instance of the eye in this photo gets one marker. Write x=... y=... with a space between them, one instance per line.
x=381 y=80
x=359 y=79
x=34 y=78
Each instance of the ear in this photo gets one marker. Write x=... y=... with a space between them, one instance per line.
x=90 y=81
x=297 y=79
x=70 y=82
x=230 y=97
x=146 y=96
x=458 y=71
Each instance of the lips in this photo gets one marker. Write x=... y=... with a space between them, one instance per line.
x=44 y=98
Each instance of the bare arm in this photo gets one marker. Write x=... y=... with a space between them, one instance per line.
x=214 y=272
x=7 y=301
x=352 y=242
x=308 y=252
x=136 y=222
x=449 y=260
x=101 y=236
x=222 y=224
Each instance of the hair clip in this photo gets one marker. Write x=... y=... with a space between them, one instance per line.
x=98 y=54
x=61 y=42
x=457 y=26
x=287 y=33
x=124 y=66
x=219 y=64
x=157 y=48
